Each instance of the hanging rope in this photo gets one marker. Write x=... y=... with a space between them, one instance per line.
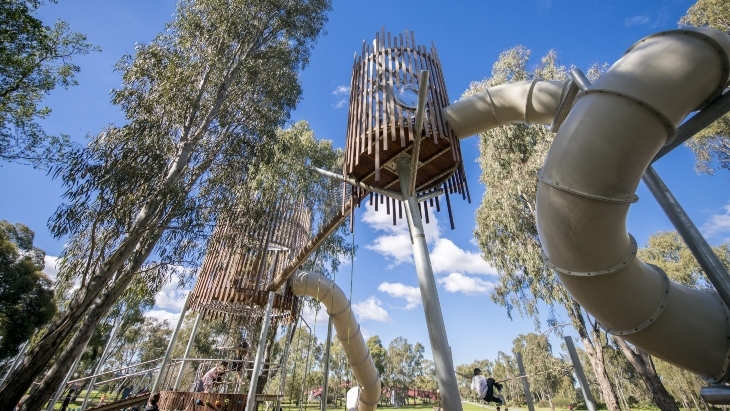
x=349 y=323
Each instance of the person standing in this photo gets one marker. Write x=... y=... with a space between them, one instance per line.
x=484 y=387
x=67 y=400
x=154 y=399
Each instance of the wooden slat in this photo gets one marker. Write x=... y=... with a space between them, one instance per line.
x=308 y=249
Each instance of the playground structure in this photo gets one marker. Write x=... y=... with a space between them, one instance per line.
x=608 y=134
x=403 y=145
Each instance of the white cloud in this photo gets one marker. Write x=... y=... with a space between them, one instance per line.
x=371 y=309
x=163 y=315
x=395 y=244
x=458 y=283
x=718 y=224
x=636 y=20
x=366 y=334
x=313 y=317
x=412 y=295
x=170 y=297
x=340 y=104
x=341 y=90
x=446 y=257
x=51 y=267
x=397 y=248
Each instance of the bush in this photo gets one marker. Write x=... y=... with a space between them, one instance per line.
x=558 y=402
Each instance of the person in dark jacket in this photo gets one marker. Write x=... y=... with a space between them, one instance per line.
x=154 y=399
x=485 y=387
x=67 y=400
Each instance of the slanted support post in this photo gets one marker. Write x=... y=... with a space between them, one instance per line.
x=525 y=382
x=434 y=318
x=251 y=400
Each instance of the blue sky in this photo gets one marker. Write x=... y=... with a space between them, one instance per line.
x=469 y=36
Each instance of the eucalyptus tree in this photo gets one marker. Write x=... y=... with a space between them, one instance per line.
x=506 y=231
x=427 y=379
x=378 y=354
x=203 y=101
x=711 y=145
x=628 y=383
x=546 y=371
x=685 y=386
x=34 y=59
x=26 y=298
x=505 y=369
x=305 y=352
x=668 y=251
x=404 y=361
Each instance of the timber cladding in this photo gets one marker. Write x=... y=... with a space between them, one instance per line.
x=178 y=401
x=243 y=259
x=380 y=126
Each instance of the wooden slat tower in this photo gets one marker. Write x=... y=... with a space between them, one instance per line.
x=243 y=259
x=380 y=125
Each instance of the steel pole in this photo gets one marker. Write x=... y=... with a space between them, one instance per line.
x=431 y=306
x=70 y=372
x=16 y=361
x=578 y=369
x=187 y=352
x=708 y=260
x=166 y=359
x=525 y=383
x=284 y=359
x=97 y=369
x=251 y=400
x=323 y=401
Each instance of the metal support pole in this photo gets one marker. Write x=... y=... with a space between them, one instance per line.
x=708 y=260
x=328 y=345
x=166 y=359
x=70 y=372
x=251 y=400
x=578 y=369
x=16 y=361
x=525 y=383
x=97 y=369
x=431 y=306
x=284 y=359
x=187 y=352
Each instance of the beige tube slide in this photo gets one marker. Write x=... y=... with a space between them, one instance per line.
x=589 y=179
x=348 y=332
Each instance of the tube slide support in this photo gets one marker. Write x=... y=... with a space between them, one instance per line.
x=701 y=250
x=434 y=319
x=348 y=332
x=325 y=386
x=585 y=389
x=71 y=371
x=166 y=359
x=525 y=383
x=97 y=370
x=187 y=351
x=251 y=400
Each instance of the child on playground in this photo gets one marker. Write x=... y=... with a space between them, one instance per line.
x=485 y=388
x=214 y=375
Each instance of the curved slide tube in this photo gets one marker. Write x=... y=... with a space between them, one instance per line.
x=348 y=332
x=588 y=182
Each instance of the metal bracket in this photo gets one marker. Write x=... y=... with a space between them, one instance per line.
x=557 y=185
x=654 y=316
x=570 y=92
x=615 y=268
x=420 y=111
